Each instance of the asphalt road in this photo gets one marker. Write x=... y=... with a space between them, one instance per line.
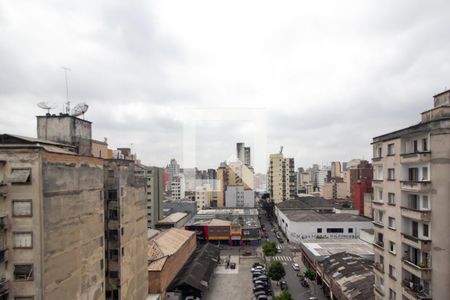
x=297 y=291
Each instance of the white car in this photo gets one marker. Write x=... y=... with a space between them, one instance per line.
x=296 y=267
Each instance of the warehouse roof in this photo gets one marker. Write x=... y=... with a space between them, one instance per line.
x=352 y=275
x=314 y=216
x=306 y=203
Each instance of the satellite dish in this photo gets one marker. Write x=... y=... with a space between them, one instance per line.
x=79 y=109
x=47 y=106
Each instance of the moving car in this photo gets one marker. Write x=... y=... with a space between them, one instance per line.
x=278 y=248
x=296 y=267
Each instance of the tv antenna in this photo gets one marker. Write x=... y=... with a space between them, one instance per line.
x=79 y=109
x=67 y=89
x=47 y=106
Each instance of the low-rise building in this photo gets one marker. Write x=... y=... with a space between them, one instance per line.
x=346 y=276
x=314 y=217
x=167 y=254
x=175 y=220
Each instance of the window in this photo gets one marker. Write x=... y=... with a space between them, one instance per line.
x=102 y=264
x=22 y=208
x=110 y=173
x=425 y=173
x=23 y=272
x=425 y=203
x=392 y=271
x=426 y=230
x=391 y=222
x=114 y=254
x=113 y=274
x=391 y=149
x=379 y=151
x=392 y=295
x=380 y=195
x=380 y=216
x=392 y=247
x=23 y=239
x=111 y=195
x=391 y=198
x=350 y=230
x=113 y=214
x=415 y=146
x=319 y=230
x=413 y=174
x=122 y=231
x=413 y=201
x=335 y=230
x=424 y=145
x=20 y=176
x=391 y=174
x=123 y=249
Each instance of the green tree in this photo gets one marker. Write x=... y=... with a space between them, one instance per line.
x=285 y=295
x=270 y=249
x=276 y=271
x=310 y=274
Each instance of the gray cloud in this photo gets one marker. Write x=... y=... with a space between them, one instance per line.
x=329 y=76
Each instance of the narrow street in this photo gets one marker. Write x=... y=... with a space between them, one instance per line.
x=287 y=257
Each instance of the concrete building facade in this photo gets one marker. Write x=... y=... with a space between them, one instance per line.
x=237 y=196
x=411 y=192
x=177 y=187
x=52 y=221
x=281 y=178
x=153 y=177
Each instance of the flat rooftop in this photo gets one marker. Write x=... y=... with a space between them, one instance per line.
x=173 y=218
x=229 y=211
x=322 y=248
x=313 y=216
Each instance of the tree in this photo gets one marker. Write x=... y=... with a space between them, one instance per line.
x=270 y=249
x=285 y=295
x=276 y=271
x=310 y=274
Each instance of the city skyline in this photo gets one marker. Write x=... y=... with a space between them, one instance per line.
x=142 y=64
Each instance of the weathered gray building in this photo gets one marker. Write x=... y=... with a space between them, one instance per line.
x=52 y=221
x=153 y=177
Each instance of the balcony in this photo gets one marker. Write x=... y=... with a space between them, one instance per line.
x=379 y=224
x=415 y=158
x=3 y=189
x=3 y=254
x=379 y=289
x=378 y=202
x=375 y=159
x=415 y=186
x=379 y=267
x=416 y=242
x=421 y=270
x=379 y=244
x=416 y=214
x=3 y=222
x=415 y=290
x=4 y=287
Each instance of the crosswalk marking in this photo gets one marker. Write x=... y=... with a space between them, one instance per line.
x=281 y=258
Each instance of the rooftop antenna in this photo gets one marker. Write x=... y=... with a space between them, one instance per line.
x=281 y=150
x=67 y=89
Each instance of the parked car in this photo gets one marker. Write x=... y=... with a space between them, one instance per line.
x=260 y=282
x=260 y=293
x=247 y=253
x=192 y=298
x=257 y=268
x=296 y=267
x=258 y=274
x=283 y=285
x=257 y=264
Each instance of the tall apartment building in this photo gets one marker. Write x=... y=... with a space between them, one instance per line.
x=52 y=221
x=411 y=208
x=125 y=231
x=336 y=169
x=173 y=169
x=281 y=178
x=243 y=154
x=360 y=183
x=177 y=187
x=153 y=177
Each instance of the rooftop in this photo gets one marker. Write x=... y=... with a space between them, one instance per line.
x=352 y=274
x=307 y=202
x=164 y=245
x=9 y=140
x=173 y=218
x=322 y=248
x=314 y=216
x=229 y=211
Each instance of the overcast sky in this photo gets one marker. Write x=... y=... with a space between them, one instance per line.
x=324 y=76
